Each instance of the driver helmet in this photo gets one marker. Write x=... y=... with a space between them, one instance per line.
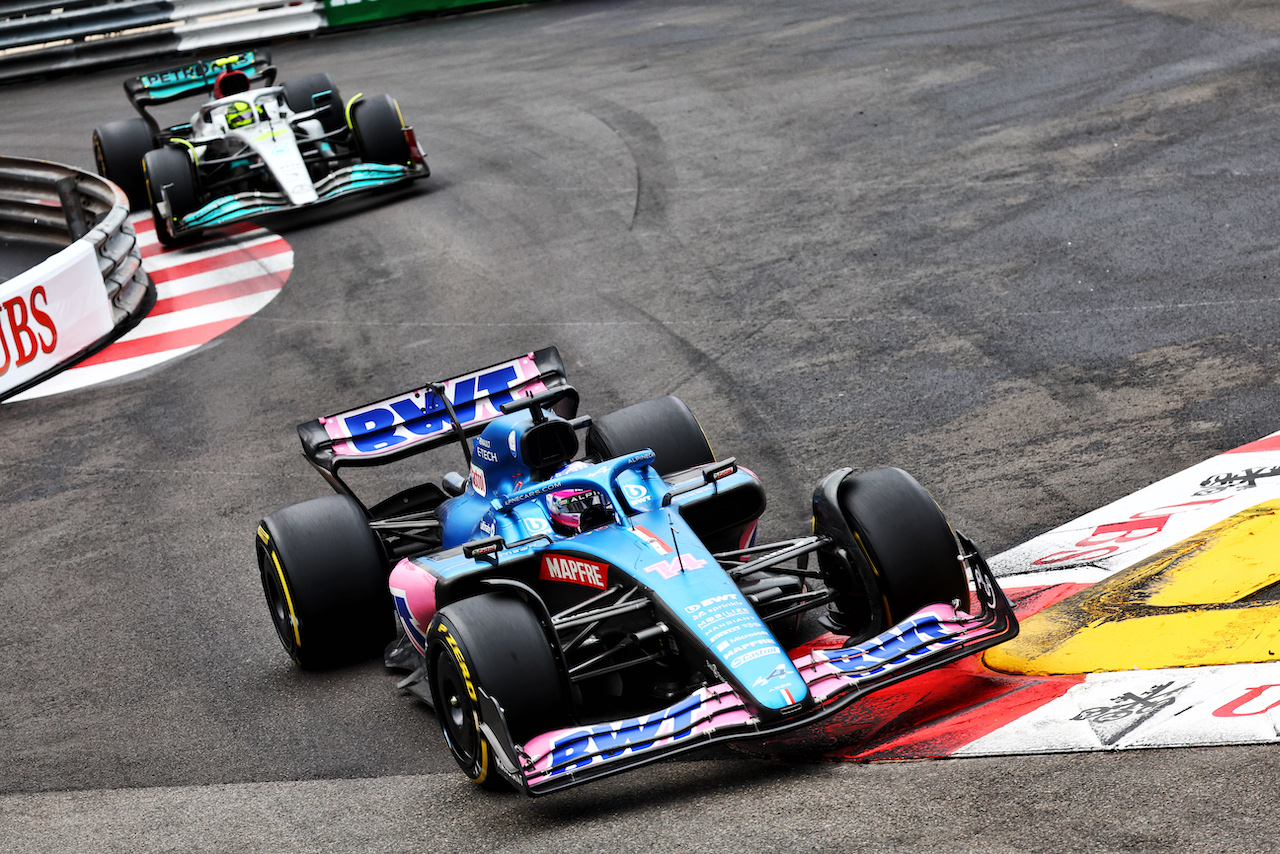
x=240 y=114
x=572 y=510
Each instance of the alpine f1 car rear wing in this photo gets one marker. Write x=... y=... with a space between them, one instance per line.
x=434 y=415
x=197 y=78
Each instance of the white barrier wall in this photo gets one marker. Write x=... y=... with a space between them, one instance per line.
x=51 y=313
x=89 y=293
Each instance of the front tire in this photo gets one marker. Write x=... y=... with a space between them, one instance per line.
x=893 y=527
x=379 y=131
x=170 y=170
x=325 y=581
x=118 y=149
x=492 y=642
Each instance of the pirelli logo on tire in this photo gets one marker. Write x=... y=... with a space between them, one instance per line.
x=460 y=659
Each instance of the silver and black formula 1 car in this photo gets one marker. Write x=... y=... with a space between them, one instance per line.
x=251 y=151
x=572 y=613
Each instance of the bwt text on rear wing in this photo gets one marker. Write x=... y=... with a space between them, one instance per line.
x=450 y=410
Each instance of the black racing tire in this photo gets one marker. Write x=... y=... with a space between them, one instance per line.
x=299 y=96
x=494 y=642
x=170 y=167
x=906 y=539
x=664 y=425
x=118 y=149
x=379 y=131
x=325 y=580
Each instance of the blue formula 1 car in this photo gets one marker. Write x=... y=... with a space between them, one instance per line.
x=253 y=148
x=570 y=613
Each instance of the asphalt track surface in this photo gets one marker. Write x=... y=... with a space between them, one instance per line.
x=1024 y=249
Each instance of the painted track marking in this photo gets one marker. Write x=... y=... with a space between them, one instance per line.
x=1202 y=542
x=202 y=291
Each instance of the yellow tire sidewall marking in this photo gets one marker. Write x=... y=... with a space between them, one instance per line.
x=458 y=657
x=288 y=599
x=482 y=768
x=284 y=585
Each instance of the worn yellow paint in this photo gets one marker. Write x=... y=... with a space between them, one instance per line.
x=1187 y=606
x=1243 y=558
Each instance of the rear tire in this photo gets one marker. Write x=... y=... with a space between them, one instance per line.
x=118 y=149
x=379 y=131
x=908 y=543
x=170 y=168
x=325 y=581
x=664 y=425
x=492 y=641
x=300 y=94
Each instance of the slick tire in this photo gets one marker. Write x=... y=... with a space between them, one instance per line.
x=300 y=95
x=379 y=131
x=908 y=543
x=664 y=425
x=118 y=149
x=325 y=581
x=495 y=643
x=169 y=170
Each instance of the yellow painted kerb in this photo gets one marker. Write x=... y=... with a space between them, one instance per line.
x=1203 y=601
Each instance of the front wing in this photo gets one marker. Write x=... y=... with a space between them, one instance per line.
x=932 y=637
x=356 y=178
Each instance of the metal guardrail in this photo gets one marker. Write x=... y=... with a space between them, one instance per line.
x=49 y=37
x=48 y=203
x=38 y=38
x=36 y=29
x=45 y=202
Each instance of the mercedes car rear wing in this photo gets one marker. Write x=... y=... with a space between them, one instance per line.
x=196 y=78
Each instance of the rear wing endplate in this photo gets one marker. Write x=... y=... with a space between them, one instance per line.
x=420 y=419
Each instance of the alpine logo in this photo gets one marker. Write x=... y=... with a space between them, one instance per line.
x=574 y=570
